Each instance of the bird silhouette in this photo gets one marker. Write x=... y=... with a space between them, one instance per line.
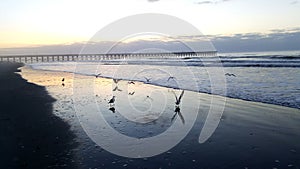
x=147 y=79
x=117 y=89
x=178 y=100
x=131 y=93
x=171 y=77
x=98 y=75
x=112 y=100
x=177 y=112
x=131 y=82
x=112 y=109
x=116 y=80
x=230 y=74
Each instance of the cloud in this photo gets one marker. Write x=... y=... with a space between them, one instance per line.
x=294 y=2
x=153 y=0
x=212 y=2
x=275 y=40
x=204 y=2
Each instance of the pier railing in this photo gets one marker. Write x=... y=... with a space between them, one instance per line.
x=100 y=57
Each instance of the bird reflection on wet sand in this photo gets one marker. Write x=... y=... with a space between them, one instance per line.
x=177 y=107
x=112 y=109
x=117 y=89
x=177 y=112
x=116 y=81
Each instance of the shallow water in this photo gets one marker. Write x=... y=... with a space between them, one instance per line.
x=252 y=135
x=275 y=85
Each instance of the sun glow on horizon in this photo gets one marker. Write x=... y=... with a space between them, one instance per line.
x=36 y=22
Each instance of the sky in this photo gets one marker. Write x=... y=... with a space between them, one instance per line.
x=29 y=23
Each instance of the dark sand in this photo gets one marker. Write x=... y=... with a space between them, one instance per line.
x=30 y=135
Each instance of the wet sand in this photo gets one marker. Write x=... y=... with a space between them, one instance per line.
x=30 y=135
x=249 y=135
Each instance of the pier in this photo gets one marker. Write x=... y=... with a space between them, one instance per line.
x=101 y=57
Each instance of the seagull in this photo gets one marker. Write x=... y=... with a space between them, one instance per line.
x=230 y=74
x=178 y=100
x=131 y=82
x=98 y=75
x=171 y=77
x=63 y=82
x=131 y=93
x=147 y=79
x=116 y=80
x=112 y=100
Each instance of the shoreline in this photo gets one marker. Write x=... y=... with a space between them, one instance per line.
x=166 y=86
x=31 y=135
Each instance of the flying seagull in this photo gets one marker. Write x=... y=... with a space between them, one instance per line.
x=178 y=100
x=131 y=93
x=98 y=75
x=230 y=74
x=147 y=79
x=116 y=80
x=171 y=77
x=131 y=82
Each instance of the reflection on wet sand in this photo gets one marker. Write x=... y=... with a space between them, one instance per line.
x=112 y=109
x=177 y=112
x=141 y=110
x=177 y=101
x=139 y=103
x=177 y=107
x=116 y=81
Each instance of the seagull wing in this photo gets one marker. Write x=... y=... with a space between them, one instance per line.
x=116 y=80
x=147 y=79
x=171 y=77
x=175 y=96
x=173 y=117
x=181 y=117
x=180 y=97
x=116 y=88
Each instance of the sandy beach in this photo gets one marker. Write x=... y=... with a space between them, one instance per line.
x=30 y=135
x=249 y=135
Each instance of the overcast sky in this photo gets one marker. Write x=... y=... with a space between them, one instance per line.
x=227 y=22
